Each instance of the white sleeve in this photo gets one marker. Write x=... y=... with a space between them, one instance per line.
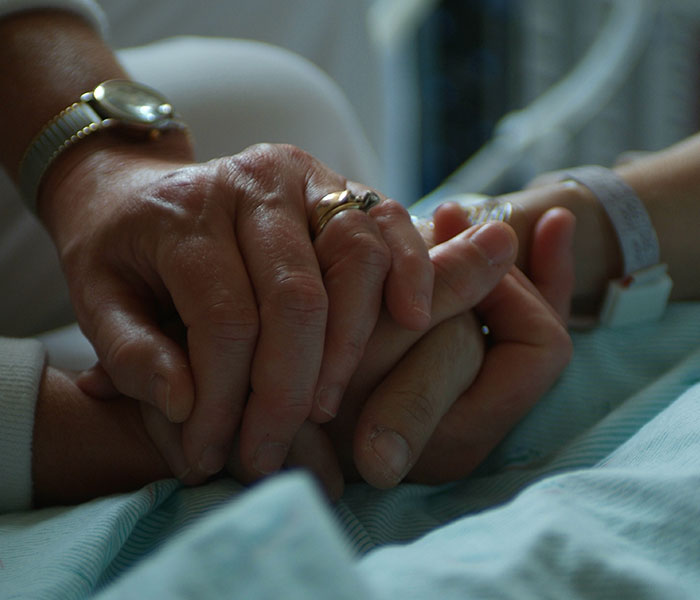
x=88 y=9
x=21 y=367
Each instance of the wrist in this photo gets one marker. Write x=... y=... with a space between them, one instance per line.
x=85 y=447
x=596 y=252
x=35 y=88
x=137 y=111
x=75 y=177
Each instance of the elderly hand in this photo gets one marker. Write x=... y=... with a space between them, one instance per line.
x=423 y=405
x=272 y=332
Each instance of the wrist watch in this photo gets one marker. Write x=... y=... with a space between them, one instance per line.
x=115 y=103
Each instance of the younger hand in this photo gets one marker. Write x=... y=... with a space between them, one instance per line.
x=424 y=406
x=88 y=446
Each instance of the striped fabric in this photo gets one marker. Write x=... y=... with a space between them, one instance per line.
x=610 y=452
x=21 y=365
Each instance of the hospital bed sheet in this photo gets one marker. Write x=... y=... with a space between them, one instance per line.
x=596 y=494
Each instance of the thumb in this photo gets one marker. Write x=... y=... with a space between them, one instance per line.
x=551 y=265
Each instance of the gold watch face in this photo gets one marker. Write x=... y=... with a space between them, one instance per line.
x=133 y=103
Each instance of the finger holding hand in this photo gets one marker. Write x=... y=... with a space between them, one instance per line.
x=142 y=361
x=408 y=288
x=209 y=285
x=402 y=414
x=354 y=261
x=215 y=357
x=528 y=341
x=449 y=220
x=160 y=244
x=549 y=241
x=551 y=260
x=271 y=184
x=367 y=259
x=528 y=349
x=165 y=435
x=466 y=268
x=311 y=449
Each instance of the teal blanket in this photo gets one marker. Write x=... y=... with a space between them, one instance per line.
x=596 y=494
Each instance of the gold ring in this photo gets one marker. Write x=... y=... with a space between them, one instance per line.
x=336 y=202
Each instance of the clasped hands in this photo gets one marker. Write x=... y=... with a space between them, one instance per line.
x=251 y=345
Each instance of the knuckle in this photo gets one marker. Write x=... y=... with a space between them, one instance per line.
x=122 y=352
x=178 y=196
x=229 y=321
x=390 y=210
x=297 y=298
x=292 y=403
x=263 y=176
x=252 y=161
x=263 y=161
x=370 y=252
x=296 y=155
x=417 y=409
x=457 y=285
x=353 y=345
x=415 y=261
x=297 y=405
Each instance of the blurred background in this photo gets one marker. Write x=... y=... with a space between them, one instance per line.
x=432 y=80
x=479 y=60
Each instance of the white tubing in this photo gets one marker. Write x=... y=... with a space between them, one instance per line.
x=392 y=22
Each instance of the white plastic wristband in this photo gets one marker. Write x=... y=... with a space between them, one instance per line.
x=641 y=294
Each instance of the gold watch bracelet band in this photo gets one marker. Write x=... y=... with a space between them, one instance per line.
x=70 y=125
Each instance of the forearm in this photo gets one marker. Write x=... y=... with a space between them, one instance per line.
x=667 y=182
x=84 y=448
x=596 y=255
x=48 y=59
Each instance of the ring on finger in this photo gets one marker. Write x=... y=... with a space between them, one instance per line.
x=336 y=202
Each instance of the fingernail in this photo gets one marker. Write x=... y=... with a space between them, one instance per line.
x=328 y=399
x=269 y=457
x=212 y=460
x=393 y=451
x=421 y=305
x=494 y=243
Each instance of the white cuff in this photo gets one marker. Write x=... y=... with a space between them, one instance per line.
x=87 y=9
x=21 y=367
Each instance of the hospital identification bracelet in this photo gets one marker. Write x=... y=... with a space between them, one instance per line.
x=641 y=294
